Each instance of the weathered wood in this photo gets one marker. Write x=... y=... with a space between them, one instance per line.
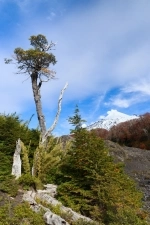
x=16 y=167
x=49 y=131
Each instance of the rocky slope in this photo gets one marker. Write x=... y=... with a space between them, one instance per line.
x=137 y=164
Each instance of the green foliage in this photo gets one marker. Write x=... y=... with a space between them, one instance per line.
x=47 y=160
x=25 y=158
x=37 y=161
x=11 y=129
x=52 y=160
x=5 y=165
x=21 y=214
x=9 y=185
x=67 y=216
x=28 y=181
x=83 y=222
x=76 y=120
x=95 y=186
x=37 y=59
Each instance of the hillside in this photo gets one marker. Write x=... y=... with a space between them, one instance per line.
x=87 y=170
x=136 y=164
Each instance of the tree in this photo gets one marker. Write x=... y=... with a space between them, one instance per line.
x=76 y=120
x=95 y=186
x=36 y=62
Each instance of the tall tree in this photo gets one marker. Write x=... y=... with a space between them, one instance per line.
x=36 y=62
x=92 y=184
x=76 y=120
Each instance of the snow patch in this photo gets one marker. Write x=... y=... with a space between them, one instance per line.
x=113 y=118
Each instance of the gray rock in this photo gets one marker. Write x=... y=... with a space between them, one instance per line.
x=136 y=164
x=53 y=219
x=50 y=200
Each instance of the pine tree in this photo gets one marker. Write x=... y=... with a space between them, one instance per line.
x=76 y=120
x=94 y=185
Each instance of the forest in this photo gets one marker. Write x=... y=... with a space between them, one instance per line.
x=132 y=133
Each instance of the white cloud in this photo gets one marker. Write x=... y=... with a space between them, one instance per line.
x=99 y=48
x=142 y=86
x=15 y=93
x=122 y=103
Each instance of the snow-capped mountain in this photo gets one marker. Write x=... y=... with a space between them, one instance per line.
x=113 y=118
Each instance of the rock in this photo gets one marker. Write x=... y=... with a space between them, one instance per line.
x=49 y=217
x=50 y=200
x=29 y=197
x=53 y=219
x=47 y=198
x=136 y=165
x=51 y=189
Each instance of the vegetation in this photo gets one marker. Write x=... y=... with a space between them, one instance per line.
x=132 y=133
x=9 y=185
x=88 y=180
x=96 y=187
x=11 y=129
x=67 y=216
x=20 y=214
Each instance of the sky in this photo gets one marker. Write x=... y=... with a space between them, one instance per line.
x=102 y=51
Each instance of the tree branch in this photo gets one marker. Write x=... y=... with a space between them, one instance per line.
x=49 y=131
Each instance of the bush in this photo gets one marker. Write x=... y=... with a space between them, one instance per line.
x=21 y=214
x=9 y=185
x=28 y=181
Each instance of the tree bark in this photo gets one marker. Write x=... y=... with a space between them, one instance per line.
x=49 y=131
x=16 y=167
x=37 y=99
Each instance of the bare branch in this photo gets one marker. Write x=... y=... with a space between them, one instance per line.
x=26 y=79
x=49 y=131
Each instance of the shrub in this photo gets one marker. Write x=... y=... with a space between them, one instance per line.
x=21 y=214
x=9 y=185
x=28 y=181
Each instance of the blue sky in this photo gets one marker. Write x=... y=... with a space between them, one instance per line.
x=103 y=51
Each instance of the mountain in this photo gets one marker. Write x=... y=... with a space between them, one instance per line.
x=113 y=118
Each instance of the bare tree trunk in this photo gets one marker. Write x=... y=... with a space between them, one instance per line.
x=16 y=167
x=37 y=99
x=49 y=131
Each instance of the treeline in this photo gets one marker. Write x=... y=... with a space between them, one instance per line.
x=132 y=133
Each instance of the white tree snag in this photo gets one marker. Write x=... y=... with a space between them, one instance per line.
x=16 y=167
x=49 y=131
